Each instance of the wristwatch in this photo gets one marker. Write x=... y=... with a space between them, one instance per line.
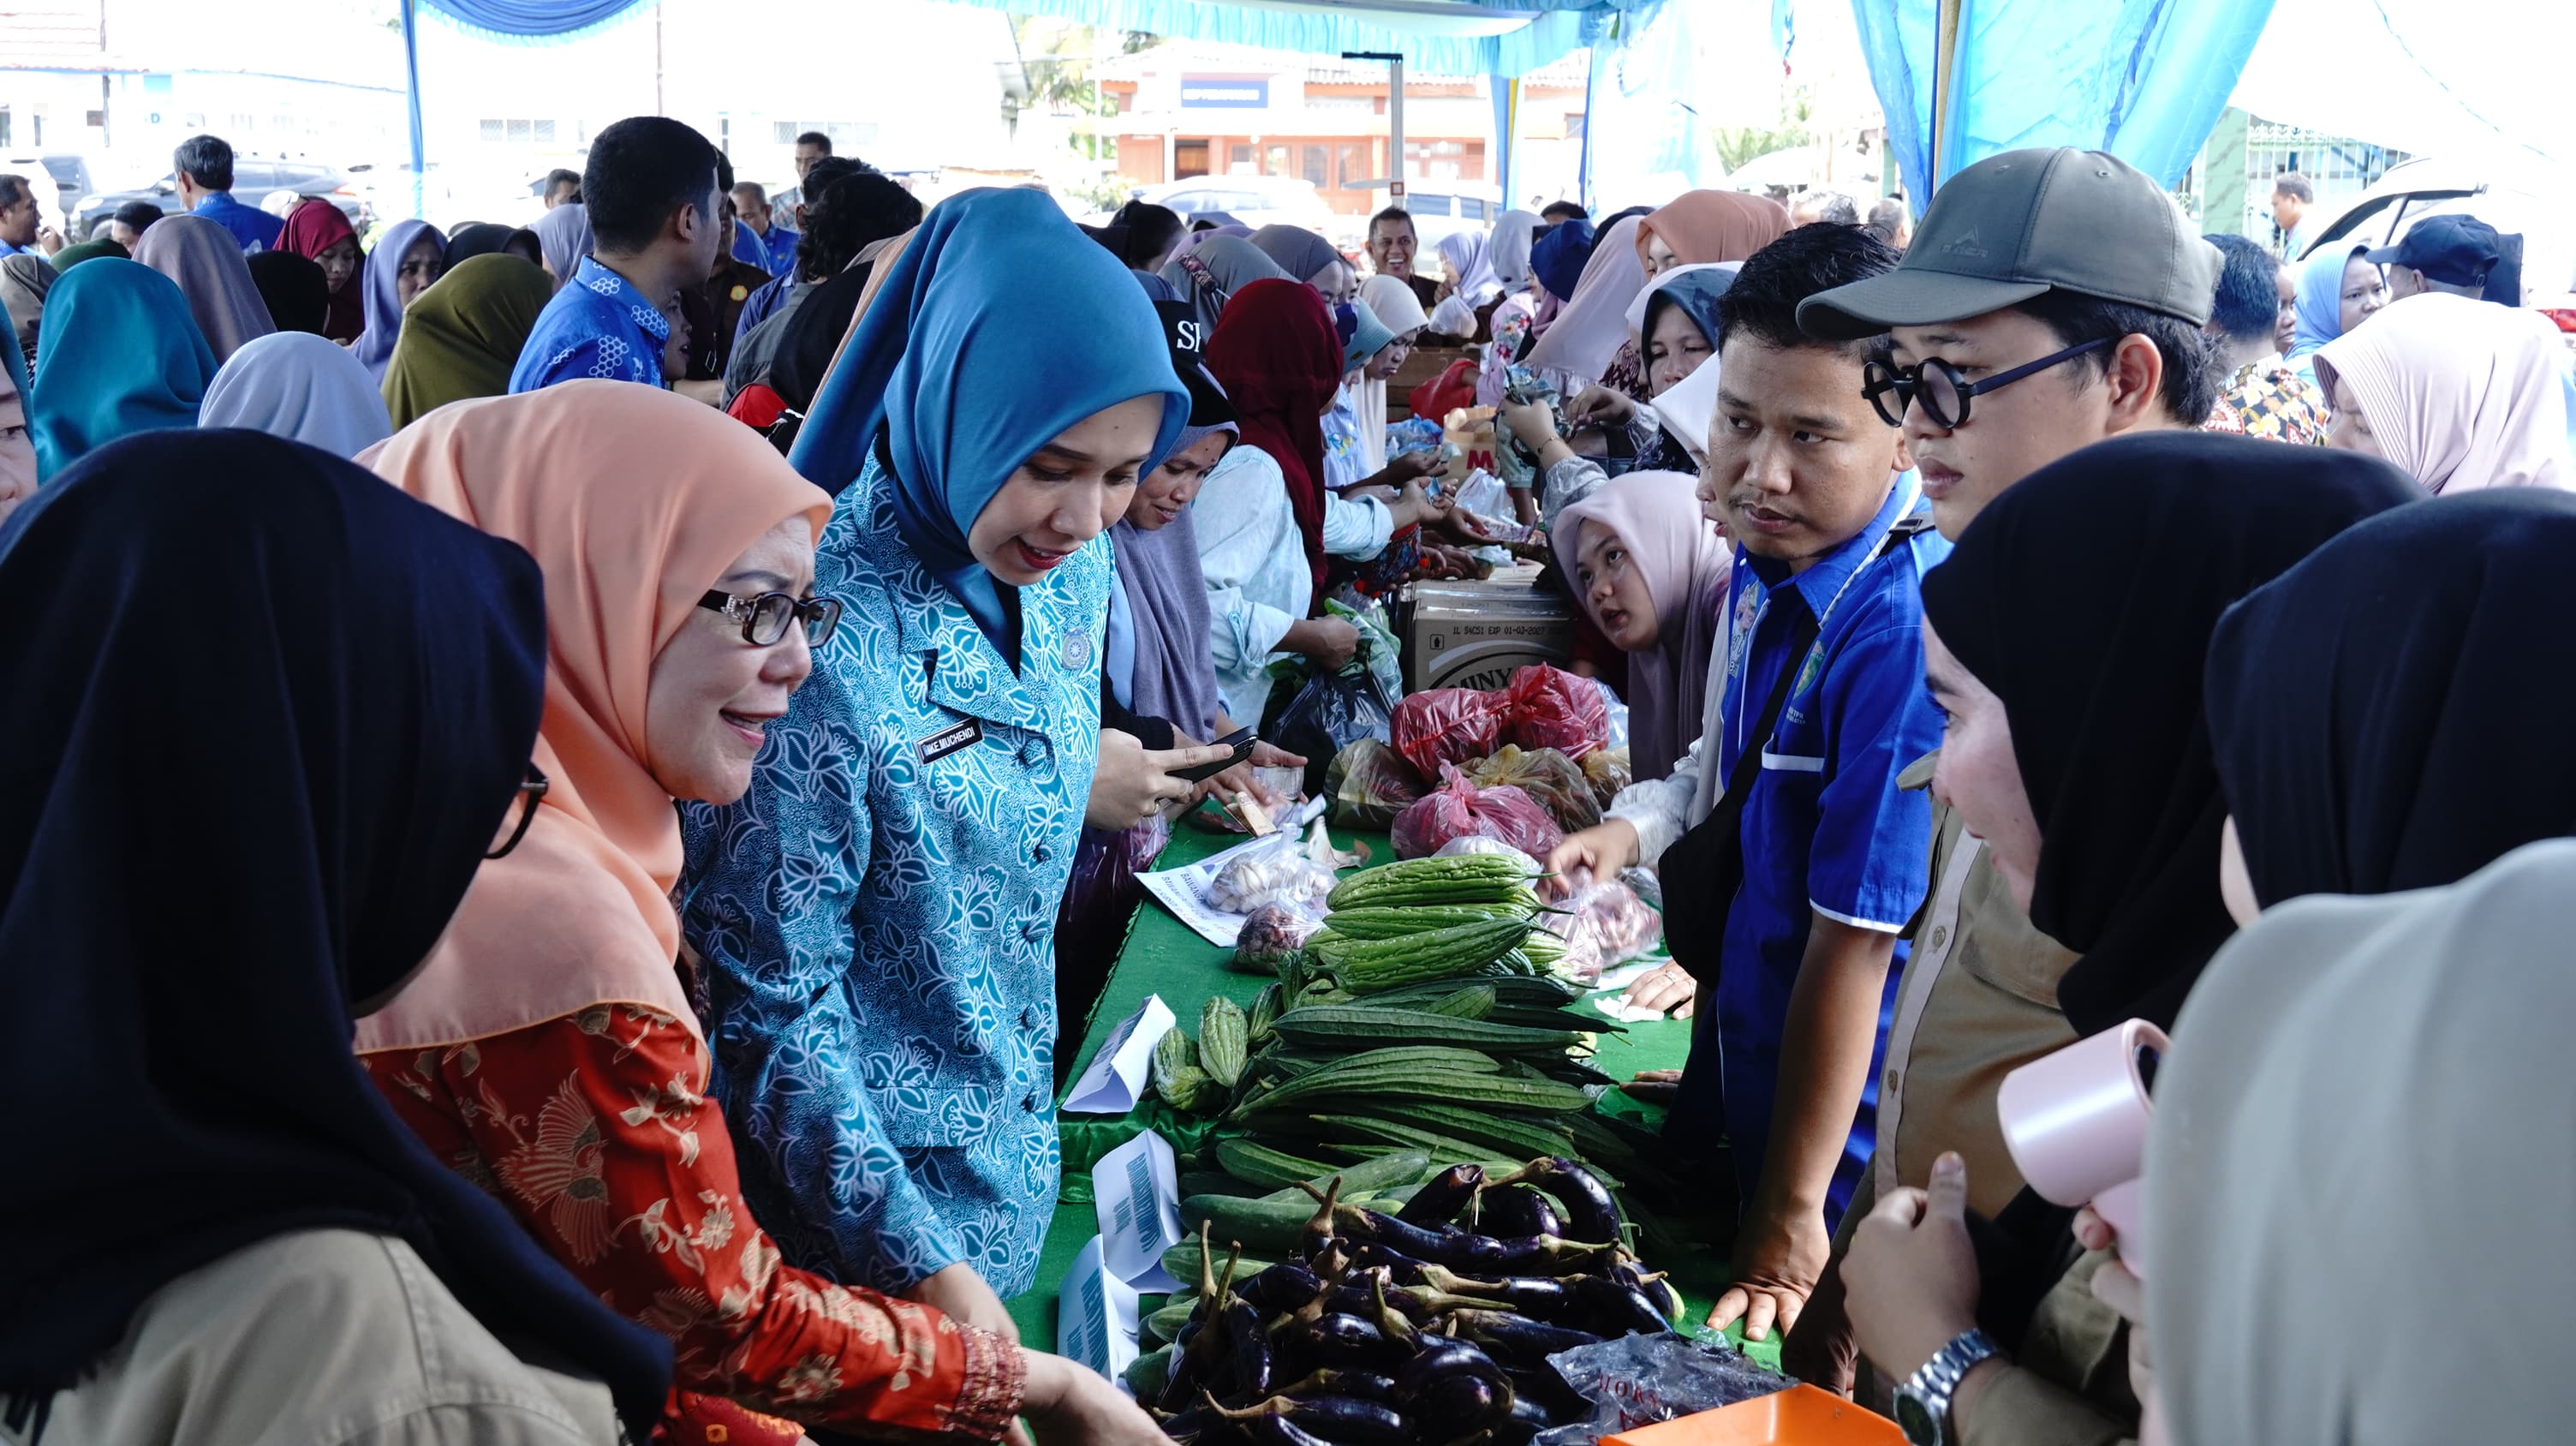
x=1923 y=1402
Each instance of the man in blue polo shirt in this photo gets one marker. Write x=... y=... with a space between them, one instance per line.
x=756 y=241
x=1799 y=904
x=204 y=165
x=651 y=186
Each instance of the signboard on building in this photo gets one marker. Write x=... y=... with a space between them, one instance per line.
x=1225 y=92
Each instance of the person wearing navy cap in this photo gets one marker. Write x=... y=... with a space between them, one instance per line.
x=2441 y=253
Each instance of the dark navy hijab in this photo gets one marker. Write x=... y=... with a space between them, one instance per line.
x=2392 y=713
x=194 y=904
x=1559 y=256
x=2085 y=597
x=1000 y=325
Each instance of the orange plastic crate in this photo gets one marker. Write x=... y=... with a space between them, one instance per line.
x=1799 y=1416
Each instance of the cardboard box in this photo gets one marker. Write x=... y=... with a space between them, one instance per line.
x=1474 y=634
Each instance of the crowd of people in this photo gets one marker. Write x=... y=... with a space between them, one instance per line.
x=645 y=709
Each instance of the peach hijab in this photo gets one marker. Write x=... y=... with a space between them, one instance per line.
x=633 y=500
x=1709 y=226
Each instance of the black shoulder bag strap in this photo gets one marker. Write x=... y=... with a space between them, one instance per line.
x=1704 y=869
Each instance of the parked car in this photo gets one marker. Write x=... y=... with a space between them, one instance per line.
x=512 y=195
x=253 y=181
x=1256 y=201
x=69 y=174
x=2527 y=199
x=1439 y=208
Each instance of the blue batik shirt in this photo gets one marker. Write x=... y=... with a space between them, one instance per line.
x=1826 y=829
x=877 y=917
x=254 y=228
x=599 y=325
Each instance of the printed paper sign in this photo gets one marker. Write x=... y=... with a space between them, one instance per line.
x=1136 y=1190
x=1116 y=1079
x=1184 y=891
x=1095 y=1317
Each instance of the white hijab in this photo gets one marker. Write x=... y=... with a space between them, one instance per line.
x=1587 y=333
x=2359 y=1176
x=2460 y=393
x=1400 y=311
x=1472 y=282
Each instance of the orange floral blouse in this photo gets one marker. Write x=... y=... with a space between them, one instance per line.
x=596 y=1132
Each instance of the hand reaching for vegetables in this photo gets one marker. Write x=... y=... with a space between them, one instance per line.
x=1133 y=782
x=1071 y=1405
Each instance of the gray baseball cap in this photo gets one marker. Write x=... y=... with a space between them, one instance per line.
x=2025 y=222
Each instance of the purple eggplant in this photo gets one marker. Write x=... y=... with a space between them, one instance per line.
x=1542 y=1385
x=1342 y=1419
x=1463 y=1404
x=1282 y=1287
x=1439 y=1202
x=1590 y=1213
x=1442 y=1358
x=1202 y=1346
x=1347 y=1340
x=1615 y=1307
x=1526 y=1420
x=1251 y=1348
x=1517 y=1210
x=1517 y=1337
x=1357 y=1385
x=1657 y=1288
x=1540 y=1296
x=1401 y=1268
x=1272 y=1429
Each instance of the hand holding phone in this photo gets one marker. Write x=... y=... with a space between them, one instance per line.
x=1239 y=747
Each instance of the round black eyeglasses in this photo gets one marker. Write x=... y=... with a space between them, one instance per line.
x=531 y=788
x=765 y=618
x=1943 y=394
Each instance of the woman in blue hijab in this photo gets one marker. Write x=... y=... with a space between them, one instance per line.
x=876 y=917
x=118 y=354
x=2338 y=288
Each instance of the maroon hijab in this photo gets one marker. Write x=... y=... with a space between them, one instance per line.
x=311 y=229
x=1277 y=357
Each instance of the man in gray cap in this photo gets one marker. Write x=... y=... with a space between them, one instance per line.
x=2050 y=299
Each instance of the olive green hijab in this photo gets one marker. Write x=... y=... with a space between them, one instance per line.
x=460 y=338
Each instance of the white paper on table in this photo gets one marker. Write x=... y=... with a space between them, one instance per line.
x=1095 y=1317
x=1116 y=1079
x=1184 y=890
x=1136 y=1192
x=1613 y=1003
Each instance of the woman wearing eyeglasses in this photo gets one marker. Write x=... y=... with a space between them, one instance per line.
x=549 y=1050
x=877 y=917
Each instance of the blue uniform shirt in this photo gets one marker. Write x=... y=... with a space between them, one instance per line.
x=877 y=917
x=599 y=325
x=254 y=228
x=1826 y=829
x=774 y=253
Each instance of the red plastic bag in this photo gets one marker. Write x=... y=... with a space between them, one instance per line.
x=1444 y=725
x=1548 y=707
x=1459 y=809
x=1455 y=387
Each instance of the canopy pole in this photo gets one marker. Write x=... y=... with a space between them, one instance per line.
x=411 y=102
x=1394 y=118
x=1945 y=77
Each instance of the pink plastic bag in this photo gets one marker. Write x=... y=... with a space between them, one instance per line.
x=1548 y=707
x=1444 y=725
x=1459 y=809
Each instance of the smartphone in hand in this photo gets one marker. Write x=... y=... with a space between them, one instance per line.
x=1240 y=743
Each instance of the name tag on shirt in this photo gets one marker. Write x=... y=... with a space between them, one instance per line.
x=956 y=738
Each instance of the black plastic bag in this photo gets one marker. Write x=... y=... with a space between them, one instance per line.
x=1325 y=714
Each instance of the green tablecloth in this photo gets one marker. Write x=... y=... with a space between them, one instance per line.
x=1164 y=956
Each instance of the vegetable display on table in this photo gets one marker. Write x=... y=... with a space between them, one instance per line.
x=1428 y=1320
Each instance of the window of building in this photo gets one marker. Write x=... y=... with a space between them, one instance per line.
x=517 y=132
x=489 y=130
x=6 y=138
x=1189 y=158
x=1275 y=161
x=1238 y=160
x=1318 y=167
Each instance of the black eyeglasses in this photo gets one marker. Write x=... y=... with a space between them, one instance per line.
x=1937 y=387
x=765 y=618
x=531 y=788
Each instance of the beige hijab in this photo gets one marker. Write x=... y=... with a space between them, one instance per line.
x=2460 y=393
x=2360 y=1177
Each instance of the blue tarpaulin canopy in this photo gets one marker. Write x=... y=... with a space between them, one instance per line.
x=1961 y=80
